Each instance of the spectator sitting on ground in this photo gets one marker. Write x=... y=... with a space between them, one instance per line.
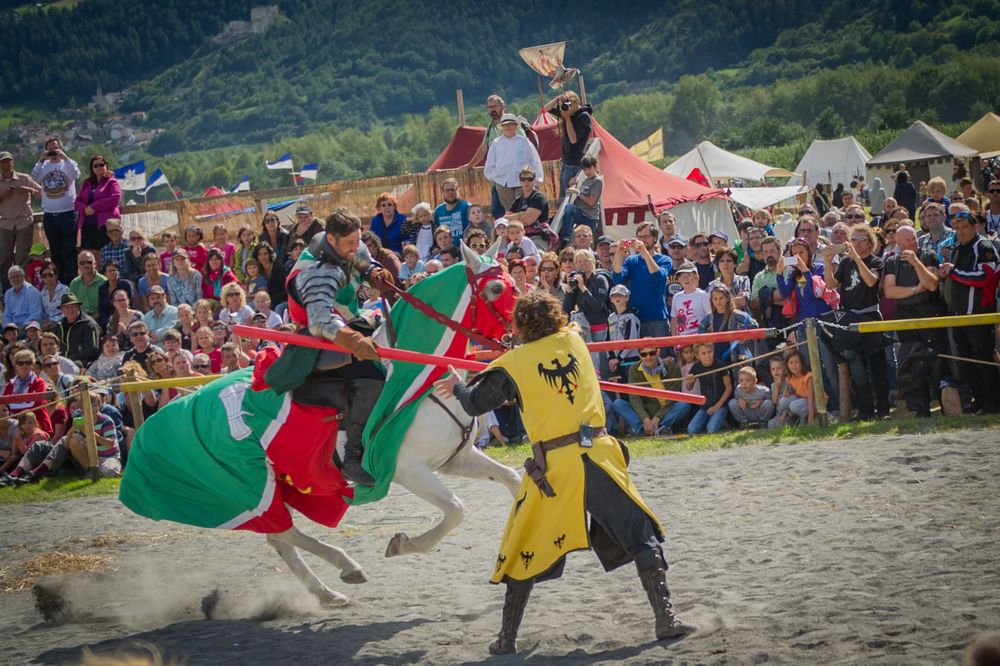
x=796 y=403
x=79 y=335
x=716 y=386
x=160 y=317
x=25 y=436
x=26 y=381
x=9 y=451
x=650 y=416
x=751 y=402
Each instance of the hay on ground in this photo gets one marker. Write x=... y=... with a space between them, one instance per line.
x=46 y=564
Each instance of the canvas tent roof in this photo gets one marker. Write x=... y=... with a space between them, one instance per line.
x=919 y=143
x=627 y=179
x=756 y=198
x=983 y=135
x=832 y=161
x=719 y=164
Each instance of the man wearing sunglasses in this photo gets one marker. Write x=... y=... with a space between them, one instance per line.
x=702 y=245
x=649 y=416
x=87 y=284
x=992 y=212
x=79 y=335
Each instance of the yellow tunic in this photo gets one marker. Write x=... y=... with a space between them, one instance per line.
x=558 y=392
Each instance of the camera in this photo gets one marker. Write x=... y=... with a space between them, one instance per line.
x=52 y=153
x=571 y=279
x=564 y=105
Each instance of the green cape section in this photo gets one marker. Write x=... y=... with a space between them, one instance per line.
x=186 y=465
x=408 y=383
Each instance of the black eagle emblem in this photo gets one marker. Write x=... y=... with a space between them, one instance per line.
x=561 y=377
x=559 y=542
x=526 y=557
x=501 y=559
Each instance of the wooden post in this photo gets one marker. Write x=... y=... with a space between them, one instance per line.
x=461 y=108
x=583 y=90
x=134 y=402
x=844 y=378
x=541 y=95
x=88 y=431
x=812 y=343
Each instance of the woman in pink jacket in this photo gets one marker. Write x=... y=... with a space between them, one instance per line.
x=97 y=202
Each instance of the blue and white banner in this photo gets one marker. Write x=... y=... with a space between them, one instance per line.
x=158 y=178
x=310 y=171
x=132 y=176
x=242 y=186
x=283 y=162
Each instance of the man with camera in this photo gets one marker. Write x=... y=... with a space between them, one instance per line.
x=645 y=273
x=57 y=174
x=575 y=128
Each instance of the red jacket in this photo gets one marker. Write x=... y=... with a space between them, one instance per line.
x=107 y=196
x=37 y=385
x=213 y=282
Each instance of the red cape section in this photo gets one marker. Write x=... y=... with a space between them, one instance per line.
x=628 y=179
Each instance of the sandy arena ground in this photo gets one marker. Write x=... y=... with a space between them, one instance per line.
x=876 y=551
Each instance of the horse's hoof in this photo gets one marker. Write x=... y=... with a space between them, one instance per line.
x=396 y=543
x=332 y=599
x=354 y=576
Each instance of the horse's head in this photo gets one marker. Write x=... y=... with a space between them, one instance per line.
x=493 y=293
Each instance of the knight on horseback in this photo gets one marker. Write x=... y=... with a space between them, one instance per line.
x=323 y=301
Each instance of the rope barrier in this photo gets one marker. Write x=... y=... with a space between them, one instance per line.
x=969 y=360
x=727 y=367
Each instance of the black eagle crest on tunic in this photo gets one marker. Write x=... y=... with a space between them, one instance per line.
x=561 y=377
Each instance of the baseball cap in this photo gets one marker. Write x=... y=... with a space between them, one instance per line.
x=686 y=267
x=6 y=156
x=156 y=289
x=259 y=315
x=33 y=324
x=9 y=326
x=619 y=290
x=678 y=240
x=501 y=221
x=605 y=239
x=508 y=118
x=719 y=234
x=37 y=250
x=303 y=208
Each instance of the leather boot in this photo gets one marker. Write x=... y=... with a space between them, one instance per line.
x=653 y=574
x=363 y=394
x=513 y=610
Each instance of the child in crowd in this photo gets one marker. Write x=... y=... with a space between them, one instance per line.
x=295 y=250
x=751 y=403
x=26 y=435
x=203 y=313
x=513 y=253
x=196 y=251
x=220 y=241
x=423 y=229
x=442 y=241
x=57 y=380
x=171 y=341
x=36 y=262
x=516 y=238
x=937 y=191
x=246 y=241
x=477 y=220
x=205 y=341
x=500 y=227
x=623 y=324
x=796 y=402
x=690 y=306
x=255 y=280
x=411 y=265
x=717 y=387
x=166 y=257
x=262 y=305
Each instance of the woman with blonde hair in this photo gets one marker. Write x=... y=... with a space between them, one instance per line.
x=204 y=311
x=234 y=305
x=184 y=282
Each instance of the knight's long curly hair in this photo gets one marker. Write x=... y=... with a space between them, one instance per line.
x=538 y=314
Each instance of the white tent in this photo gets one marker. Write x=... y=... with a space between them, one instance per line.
x=756 y=198
x=717 y=164
x=832 y=162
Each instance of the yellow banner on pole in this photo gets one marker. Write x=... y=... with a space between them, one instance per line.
x=650 y=148
x=928 y=322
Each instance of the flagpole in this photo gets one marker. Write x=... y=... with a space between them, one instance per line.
x=176 y=198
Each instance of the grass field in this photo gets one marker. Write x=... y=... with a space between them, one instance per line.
x=61 y=488
x=54 y=4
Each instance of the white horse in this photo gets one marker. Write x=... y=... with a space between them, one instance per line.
x=441 y=439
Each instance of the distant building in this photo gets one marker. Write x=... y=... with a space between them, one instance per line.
x=261 y=19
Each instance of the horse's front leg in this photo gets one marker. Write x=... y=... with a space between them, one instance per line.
x=416 y=477
x=302 y=571
x=350 y=571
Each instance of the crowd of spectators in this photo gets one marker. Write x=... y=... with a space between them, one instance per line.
x=100 y=301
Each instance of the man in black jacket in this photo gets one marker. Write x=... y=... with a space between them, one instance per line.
x=79 y=335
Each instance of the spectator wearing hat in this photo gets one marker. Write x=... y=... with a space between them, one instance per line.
x=691 y=304
x=623 y=324
x=160 y=316
x=677 y=248
x=453 y=212
x=605 y=261
x=500 y=227
x=36 y=262
x=718 y=240
x=57 y=174
x=16 y=221
x=78 y=333
x=586 y=208
x=645 y=273
x=32 y=335
x=701 y=245
x=22 y=302
x=86 y=285
x=306 y=226
x=116 y=248
x=508 y=155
